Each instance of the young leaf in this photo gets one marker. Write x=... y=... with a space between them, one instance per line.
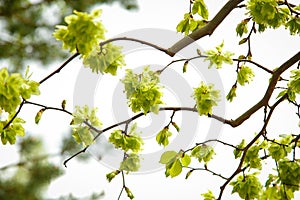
x=129 y=193
x=199 y=7
x=63 y=104
x=110 y=176
x=39 y=115
x=162 y=137
x=245 y=75
x=175 y=126
x=168 y=157
x=208 y=195
x=231 y=94
x=131 y=163
x=218 y=57
x=206 y=97
x=186 y=160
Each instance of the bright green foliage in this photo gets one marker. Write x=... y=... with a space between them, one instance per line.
x=185 y=160
x=199 y=7
x=242 y=27
x=275 y=190
x=189 y=24
x=206 y=97
x=12 y=131
x=126 y=142
x=267 y=13
x=294 y=25
x=82 y=32
x=237 y=152
x=247 y=186
x=162 y=137
x=277 y=193
x=129 y=193
x=106 y=61
x=217 y=57
x=293 y=86
x=231 y=94
x=13 y=87
x=81 y=131
x=174 y=162
x=131 y=163
x=289 y=172
x=209 y=195
x=244 y=75
x=143 y=90
x=203 y=153
x=252 y=157
x=280 y=151
x=110 y=176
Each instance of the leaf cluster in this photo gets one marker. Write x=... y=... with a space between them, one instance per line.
x=174 y=162
x=143 y=90
x=83 y=118
x=82 y=32
x=189 y=24
x=217 y=57
x=206 y=97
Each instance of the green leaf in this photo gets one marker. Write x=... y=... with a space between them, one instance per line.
x=186 y=160
x=200 y=7
x=237 y=153
x=208 y=195
x=38 y=115
x=231 y=94
x=206 y=97
x=106 y=61
x=174 y=169
x=248 y=186
x=242 y=28
x=168 y=157
x=130 y=142
x=162 y=137
x=294 y=25
x=290 y=174
x=242 y=41
x=110 y=176
x=175 y=126
x=129 y=193
x=131 y=163
x=203 y=153
x=244 y=75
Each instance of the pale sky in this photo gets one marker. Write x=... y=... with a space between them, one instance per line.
x=270 y=49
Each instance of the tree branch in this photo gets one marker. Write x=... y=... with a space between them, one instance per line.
x=262 y=131
x=60 y=68
x=208 y=29
x=264 y=101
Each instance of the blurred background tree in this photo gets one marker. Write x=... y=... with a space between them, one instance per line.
x=26 y=37
x=27 y=27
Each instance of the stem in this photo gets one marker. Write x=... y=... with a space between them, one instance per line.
x=60 y=68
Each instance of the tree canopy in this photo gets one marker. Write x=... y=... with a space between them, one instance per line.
x=266 y=162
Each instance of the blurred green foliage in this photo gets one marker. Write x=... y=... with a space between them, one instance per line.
x=27 y=27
